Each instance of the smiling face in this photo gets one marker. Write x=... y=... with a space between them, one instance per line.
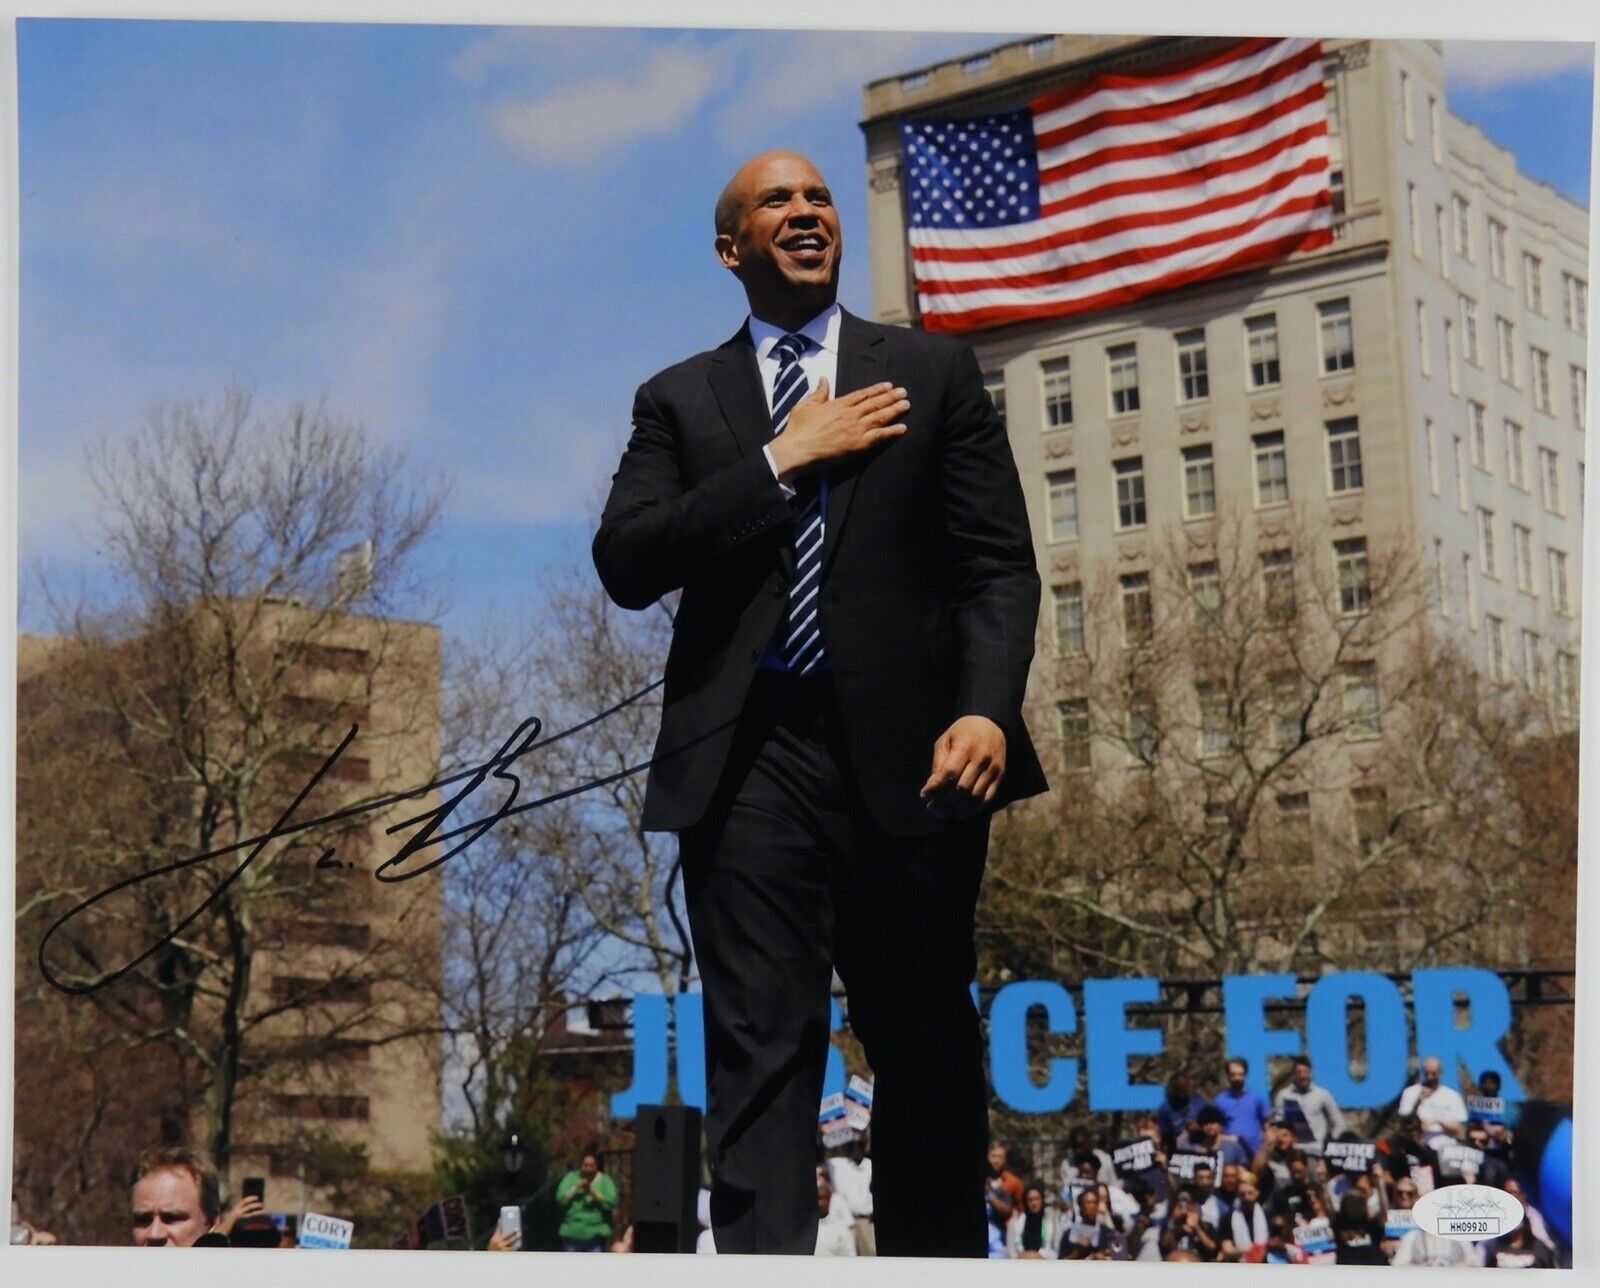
x=778 y=233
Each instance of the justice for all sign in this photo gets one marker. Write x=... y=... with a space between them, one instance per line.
x=1106 y=1031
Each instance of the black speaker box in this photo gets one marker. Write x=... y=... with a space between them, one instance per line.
x=666 y=1178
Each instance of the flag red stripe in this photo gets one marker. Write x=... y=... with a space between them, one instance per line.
x=1213 y=97
x=1187 y=178
x=1178 y=69
x=996 y=315
x=1132 y=255
x=1120 y=223
x=1180 y=142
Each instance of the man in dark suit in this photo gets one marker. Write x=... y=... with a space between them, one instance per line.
x=842 y=713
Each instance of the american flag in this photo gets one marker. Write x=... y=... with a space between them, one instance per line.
x=1119 y=187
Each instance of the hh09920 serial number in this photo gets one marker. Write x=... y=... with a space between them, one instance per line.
x=1461 y=1225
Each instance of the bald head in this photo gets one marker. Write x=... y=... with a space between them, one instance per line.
x=778 y=233
x=736 y=193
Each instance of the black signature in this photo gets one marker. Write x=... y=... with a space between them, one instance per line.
x=524 y=738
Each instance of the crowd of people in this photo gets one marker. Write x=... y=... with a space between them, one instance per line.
x=1236 y=1179
x=1229 y=1178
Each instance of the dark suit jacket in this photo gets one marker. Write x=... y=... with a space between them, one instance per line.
x=930 y=594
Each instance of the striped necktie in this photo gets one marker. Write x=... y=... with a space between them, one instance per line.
x=800 y=644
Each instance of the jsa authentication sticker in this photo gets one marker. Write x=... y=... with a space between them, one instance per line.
x=1468 y=1212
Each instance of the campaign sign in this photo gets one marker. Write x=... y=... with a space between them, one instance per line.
x=1488 y=1109
x=1316 y=1235
x=1183 y=1164
x=1352 y=1156
x=1456 y=1159
x=836 y=1127
x=1073 y=1186
x=1399 y=1222
x=858 y=1103
x=832 y=1107
x=1134 y=1156
x=318 y=1231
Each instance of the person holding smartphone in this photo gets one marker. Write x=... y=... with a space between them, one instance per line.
x=587 y=1198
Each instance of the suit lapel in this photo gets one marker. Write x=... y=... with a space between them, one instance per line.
x=860 y=364
x=736 y=382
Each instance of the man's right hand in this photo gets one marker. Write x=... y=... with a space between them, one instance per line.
x=822 y=428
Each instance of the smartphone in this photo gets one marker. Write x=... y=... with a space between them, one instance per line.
x=511 y=1223
x=254 y=1186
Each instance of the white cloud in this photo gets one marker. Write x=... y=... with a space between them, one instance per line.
x=567 y=49
x=575 y=122
x=787 y=73
x=1485 y=64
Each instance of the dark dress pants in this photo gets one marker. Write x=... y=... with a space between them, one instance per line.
x=785 y=879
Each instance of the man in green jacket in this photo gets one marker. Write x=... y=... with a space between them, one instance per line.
x=587 y=1197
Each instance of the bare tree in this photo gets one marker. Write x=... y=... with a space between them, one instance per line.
x=1267 y=761
x=262 y=564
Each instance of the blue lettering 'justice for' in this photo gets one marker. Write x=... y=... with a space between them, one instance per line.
x=1028 y=1013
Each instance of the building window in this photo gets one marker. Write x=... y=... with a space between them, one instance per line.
x=1123 y=365
x=1214 y=738
x=1074 y=713
x=1436 y=129
x=1361 y=699
x=1478 y=435
x=1041 y=46
x=1338 y=339
x=1470 y=586
x=1506 y=343
x=1516 y=455
x=1277 y=585
x=1461 y=474
x=1262 y=343
x=1533 y=283
x=1532 y=662
x=1566 y=684
x=1287 y=703
x=1578 y=387
x=977 y=63
x=1411 y=207
x=1272 y=469
x=1439 y=236
x=1294 y=828
x=1336 y=195
x=994 y=383
x=1460 y=209
x=1494 y=645
x=1575 y=302
x=1550 y=480
x=1143 y=736
x=1055 y=375
x=1344 y=455
x=1369 y=812
x=1557 y=568
x=1330 y=98
x=1450 y=362
x=1199 y=482
x=1522 y=552
x=1443 y=586
x=1355 y=581
x=1486 y=554
x=1405 y=106
x=1497 y=250
x=1205 y=590
x=1063 y=504
x=1469 y=332
x=1130 y=492
x=1431 y=437
x=1137 y=618
x=1423 y=359
x=1194 y=382
x=1539 y=369
x=1069 y=620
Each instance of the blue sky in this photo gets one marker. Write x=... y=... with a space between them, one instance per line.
x=438 y=228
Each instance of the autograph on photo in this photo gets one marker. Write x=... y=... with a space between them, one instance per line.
x=524 y=739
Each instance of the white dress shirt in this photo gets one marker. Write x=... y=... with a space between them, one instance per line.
x=820 y=360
